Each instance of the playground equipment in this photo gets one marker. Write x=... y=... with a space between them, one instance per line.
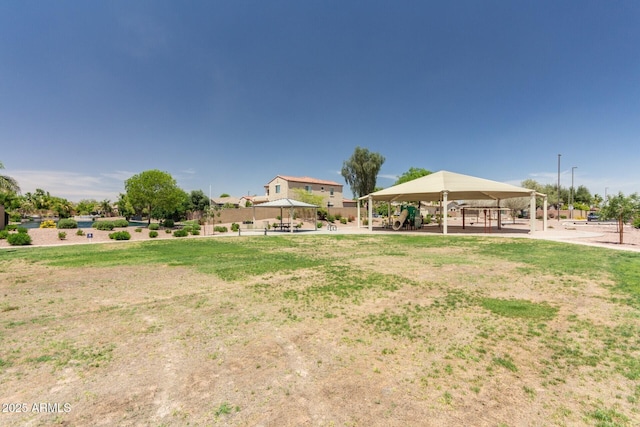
x=407 y=216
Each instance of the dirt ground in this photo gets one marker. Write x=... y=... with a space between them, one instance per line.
x=161 y=345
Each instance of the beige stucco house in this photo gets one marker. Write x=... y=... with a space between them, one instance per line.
x=285 y=187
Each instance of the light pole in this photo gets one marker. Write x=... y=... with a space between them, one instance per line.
x=571 y=196
x=559 y=187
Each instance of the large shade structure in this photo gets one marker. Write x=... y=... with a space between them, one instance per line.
x=291 y=204
x=444 y=186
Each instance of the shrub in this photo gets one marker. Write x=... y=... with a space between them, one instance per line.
x=220 y=229
x=103 y=225
x=4 y=234
x=636 y=222
x=168 y=223
x=154 y=226
x=12 y=227
x=67 y=223
x=80 y=232
x=319 y=224
x=138 y=230
x=195 y=232
x=331 y=218
x=23 y=230
x=181 y=233
x=343 y=220
x=339 y=217
x=352 y=218
x=62 y=235
x=168 y=231
x=120 y=235
x=48 y=223
x=19 y=239
x=235 y=227
x=120 y=223
x=153 y=234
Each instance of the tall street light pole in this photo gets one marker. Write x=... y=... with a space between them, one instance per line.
x=559 y=187
x=572 y=191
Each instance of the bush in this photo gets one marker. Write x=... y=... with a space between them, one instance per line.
x=153 y=234
x=19 y=239
x=319 y=225
x=23 y=230
x=62 y=235
x=4 y=234
x=138 y=230
x=120 y=223
x=235 y=227
x=80 y=232
x=154 y=226
x=12 y=227
x=103 y=225
x=220 y=229
x=352 y=218
x=67 y=223
x=168 y=223
x=48 y=223
x=120 y=235
x=181 y=233
x=636 y=222
x=195 y=232
x=168 y=231
x=331 y=218
x=343 y=220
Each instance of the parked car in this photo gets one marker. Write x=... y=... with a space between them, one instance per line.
x=592 y=216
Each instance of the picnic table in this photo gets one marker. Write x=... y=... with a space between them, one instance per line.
x=283 y=226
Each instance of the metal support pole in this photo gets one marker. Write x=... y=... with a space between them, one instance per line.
x=559 y=187
x=571 y=197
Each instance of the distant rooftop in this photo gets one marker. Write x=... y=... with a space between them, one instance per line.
x=307 y=180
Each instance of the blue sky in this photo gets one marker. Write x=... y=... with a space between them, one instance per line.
x=227 y=94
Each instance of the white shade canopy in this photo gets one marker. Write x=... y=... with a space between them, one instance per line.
x=457 y=186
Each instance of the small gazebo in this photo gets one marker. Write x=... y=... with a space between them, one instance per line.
x=291 y=204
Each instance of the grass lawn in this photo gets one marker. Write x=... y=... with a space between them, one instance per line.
x=332 y=330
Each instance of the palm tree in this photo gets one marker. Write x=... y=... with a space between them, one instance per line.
x=7 y=183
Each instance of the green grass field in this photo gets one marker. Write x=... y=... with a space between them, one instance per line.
x=323 y=330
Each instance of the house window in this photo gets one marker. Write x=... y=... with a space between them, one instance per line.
x=277 y=188
x=307 y=188
x=331 y=191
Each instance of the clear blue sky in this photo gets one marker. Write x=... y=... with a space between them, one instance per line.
x=230 y=94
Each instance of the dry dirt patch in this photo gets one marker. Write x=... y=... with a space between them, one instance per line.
x=408 y=343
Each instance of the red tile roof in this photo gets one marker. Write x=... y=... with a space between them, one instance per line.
x=307 y=180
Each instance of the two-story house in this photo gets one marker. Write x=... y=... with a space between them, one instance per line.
x=285 y=187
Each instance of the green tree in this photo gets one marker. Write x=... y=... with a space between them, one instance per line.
x=178 y=213
x=154 y=192
x=304 y=196
x=63 y=208
x=198 y=201
x=515 y=205
x=532 y=184
x=621 y=208
x=225 y=195
x=360 y=171
x=411 y=174
x=124 y=206
x=597 y=200
x=87 y=207
x=106 y=208
x=8 y=184
x=583 y=195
